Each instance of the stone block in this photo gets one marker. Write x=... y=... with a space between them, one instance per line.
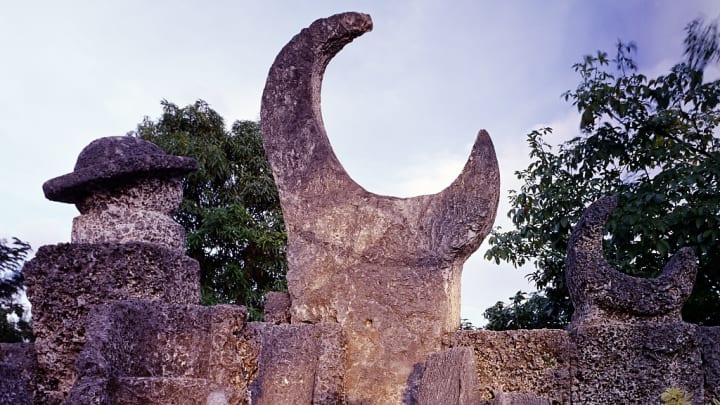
x=520 y=361
x=173 y=391
x=65 y=281
x=298 y=364
x=710 y=346
x=449 y=377
x=138 y=351
x=518 y=398
x=635 y=363
x=277 y=307
x=17 y=373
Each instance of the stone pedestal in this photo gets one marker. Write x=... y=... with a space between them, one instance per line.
x=635 y=363
x=148 y=352
x=65 y=281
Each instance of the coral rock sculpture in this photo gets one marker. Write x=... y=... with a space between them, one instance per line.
x=631 y=342
x=387 y=269
x=601 y=293
x=125 y=245
x=126 y=189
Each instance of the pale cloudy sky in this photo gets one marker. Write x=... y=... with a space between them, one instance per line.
x=401 y=104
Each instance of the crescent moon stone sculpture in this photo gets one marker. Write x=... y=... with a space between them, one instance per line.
x=601 y=293
x=387 y=269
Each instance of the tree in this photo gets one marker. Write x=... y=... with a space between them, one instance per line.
x=523 y=312
x=13 y=326
x=231 y=209
x=652 y=142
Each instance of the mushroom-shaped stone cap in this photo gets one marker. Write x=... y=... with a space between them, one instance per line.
x=112 y=161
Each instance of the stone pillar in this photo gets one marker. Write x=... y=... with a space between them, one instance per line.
x=124 y=245
x=386 y=269
x=631 y=342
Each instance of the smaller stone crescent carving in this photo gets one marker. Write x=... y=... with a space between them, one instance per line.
x=600 y=292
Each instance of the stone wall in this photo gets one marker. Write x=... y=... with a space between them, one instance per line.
x=373 y=302
x=536 y=361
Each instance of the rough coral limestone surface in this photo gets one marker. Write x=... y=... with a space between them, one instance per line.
x=142 y=352
x=65 y=281
x=602 y=294
x=387 y=269
x=126 y=190
x=531 y=361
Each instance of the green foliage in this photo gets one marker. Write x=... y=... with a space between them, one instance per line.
x=465 y=324
x=652 y=142
x=675 y=396
x=231 y=210
x=12 y=257
x=523 y=312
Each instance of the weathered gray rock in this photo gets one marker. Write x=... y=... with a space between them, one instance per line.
x=631 y=342
x=710 y=346
x=141 y=352
x=602 y=294
x=519 y=398
x=387 y=269
x=449 y=377
x=298 y=364
x=277 y=307
x=18 y=371
x=107 y=163
x=635 y=363
x=140 y=211
x=520 y=361
x=126 y=190
x=171 y=391
x=125 y=245
x=65 y=281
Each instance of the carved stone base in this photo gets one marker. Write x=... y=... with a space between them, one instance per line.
x=65 y=281
x=636 y=363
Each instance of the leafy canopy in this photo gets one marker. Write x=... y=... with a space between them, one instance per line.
x=654 y=143
x=13 y=328
x=230 y=210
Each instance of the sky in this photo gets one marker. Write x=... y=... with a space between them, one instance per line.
x=401 y=104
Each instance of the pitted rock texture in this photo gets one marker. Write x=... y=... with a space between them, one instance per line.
x=710 y=343
x=123 y=226
x=141 y=352
x=277 y=307
x=449 y=377
x=140 y=211
x=602 y=294
x=18 y=373
x=518 y=398
x=387 y=269
x=161 y=195
x=520 y=361
x=64 y=282
x=110 y=162
x=297 y=364
x=635 y=363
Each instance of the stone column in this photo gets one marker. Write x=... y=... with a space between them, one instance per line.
x=125 y=245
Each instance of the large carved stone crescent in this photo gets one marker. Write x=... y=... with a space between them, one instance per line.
x=387 y=269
